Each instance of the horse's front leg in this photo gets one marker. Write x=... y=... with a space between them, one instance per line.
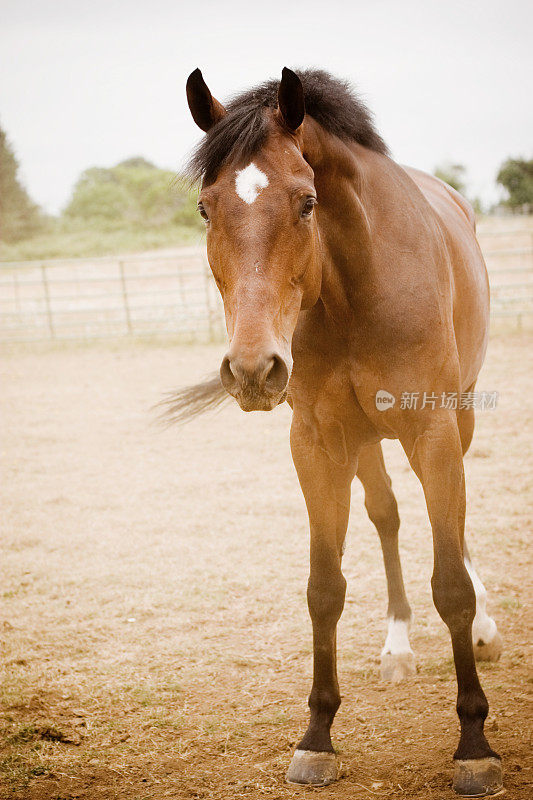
x=434 y=450
x=326 y=488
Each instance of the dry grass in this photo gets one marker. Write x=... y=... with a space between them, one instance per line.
x=153 y=620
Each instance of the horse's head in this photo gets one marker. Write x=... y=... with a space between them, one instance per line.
x=257 y=200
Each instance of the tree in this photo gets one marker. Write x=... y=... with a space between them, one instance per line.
x=134 y=192
x=20 y=217
x=98 y=196
x=453 y=174
x=516 y=177
x=137 y=161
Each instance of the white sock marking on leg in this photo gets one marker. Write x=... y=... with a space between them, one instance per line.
x=397 y=640
x=249 y=182
x=483 y=627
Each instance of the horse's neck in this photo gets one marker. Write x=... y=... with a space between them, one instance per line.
x=343 y=219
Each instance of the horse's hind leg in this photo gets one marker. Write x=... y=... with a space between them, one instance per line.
x=397 y=658
x=485 y=636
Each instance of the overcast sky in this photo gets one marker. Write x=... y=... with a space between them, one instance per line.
x=92 y=83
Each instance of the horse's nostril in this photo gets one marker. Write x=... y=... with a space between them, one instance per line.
x=278 y=375
x=227 y=375
x=264 y=375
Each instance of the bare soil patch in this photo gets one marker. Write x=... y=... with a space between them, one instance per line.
x=154 y=629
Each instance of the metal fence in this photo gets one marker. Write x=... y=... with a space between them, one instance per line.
x=168 y=293
x=509 y=258
x=173 y=293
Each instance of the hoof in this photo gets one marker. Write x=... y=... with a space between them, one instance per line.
x=478 y=777
x=398 y=667
x=310 y=768
x=488 y=651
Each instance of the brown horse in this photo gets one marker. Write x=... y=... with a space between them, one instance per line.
x=354 y=289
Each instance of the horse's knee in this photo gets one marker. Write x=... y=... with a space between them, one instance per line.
x=325 y=598
x=454 y=597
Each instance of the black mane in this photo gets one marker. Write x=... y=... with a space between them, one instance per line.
x=240 y=134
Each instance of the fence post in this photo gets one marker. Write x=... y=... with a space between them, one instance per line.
x=125 y=296
x=46 y=289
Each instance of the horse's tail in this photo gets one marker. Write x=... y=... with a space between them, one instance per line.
x=190 y=402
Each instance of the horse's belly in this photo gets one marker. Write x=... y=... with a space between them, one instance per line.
x=471 y=318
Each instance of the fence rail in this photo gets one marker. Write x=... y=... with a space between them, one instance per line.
x=174 y=293
x=170 y=293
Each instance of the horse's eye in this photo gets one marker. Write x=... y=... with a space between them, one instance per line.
x=203 y=212
x=307 y=208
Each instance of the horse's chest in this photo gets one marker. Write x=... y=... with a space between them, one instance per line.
x=330 y=409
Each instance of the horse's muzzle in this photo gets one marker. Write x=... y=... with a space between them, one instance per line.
x=258 y=383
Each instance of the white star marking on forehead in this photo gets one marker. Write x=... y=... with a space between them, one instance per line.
x=249 y=182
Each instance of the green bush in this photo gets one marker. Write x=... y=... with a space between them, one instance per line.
x=133 y=193
x=516 y=176
x=452 y=174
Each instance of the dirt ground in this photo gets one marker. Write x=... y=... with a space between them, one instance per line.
x=154 y=626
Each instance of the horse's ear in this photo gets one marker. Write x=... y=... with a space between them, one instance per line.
x=291 y=99
x=205 y=110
